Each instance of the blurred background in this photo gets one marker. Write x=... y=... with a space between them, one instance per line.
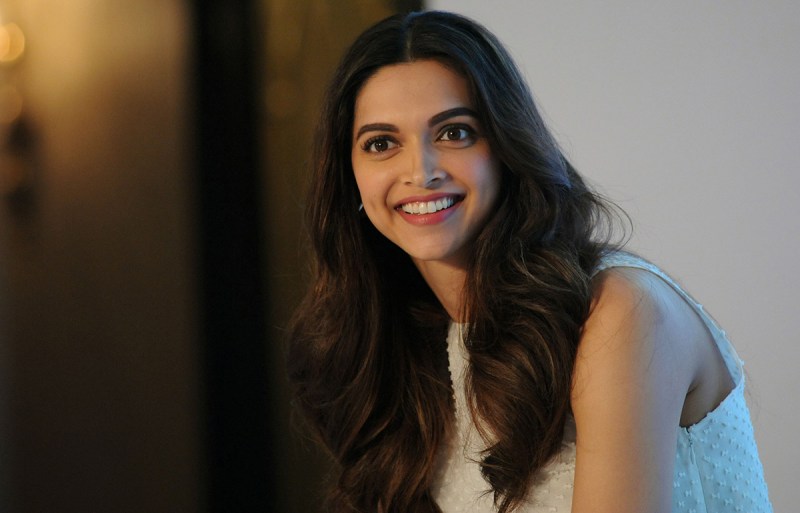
x=153 y=156
x=152 y=160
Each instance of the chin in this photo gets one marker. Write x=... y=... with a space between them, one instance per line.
x=430 y=256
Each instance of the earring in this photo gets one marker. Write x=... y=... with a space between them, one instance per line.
x=361 y=207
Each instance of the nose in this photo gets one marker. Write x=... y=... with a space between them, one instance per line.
x=425 y=169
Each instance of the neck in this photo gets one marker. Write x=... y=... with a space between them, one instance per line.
x=447 y=283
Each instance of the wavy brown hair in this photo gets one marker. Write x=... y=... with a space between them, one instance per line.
x=367 y=355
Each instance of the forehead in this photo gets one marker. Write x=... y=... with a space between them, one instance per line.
x=411 y=87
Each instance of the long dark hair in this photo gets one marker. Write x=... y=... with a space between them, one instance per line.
x=368 y=358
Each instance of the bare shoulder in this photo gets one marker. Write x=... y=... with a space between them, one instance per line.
x=639 y=330
x=625 y=299
x=635 y=314
x=639 y=356
x=641 y=326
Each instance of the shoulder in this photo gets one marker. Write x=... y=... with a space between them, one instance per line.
x=624 y=297
x=635 y=312
x=632 y=373
x=639 y=327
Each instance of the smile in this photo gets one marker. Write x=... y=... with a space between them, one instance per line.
x=429 y=207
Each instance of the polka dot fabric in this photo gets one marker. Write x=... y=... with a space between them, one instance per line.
x=717 y=465
x=717 y=469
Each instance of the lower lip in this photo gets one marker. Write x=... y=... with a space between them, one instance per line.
x=429 y=219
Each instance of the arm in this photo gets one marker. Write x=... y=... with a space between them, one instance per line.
x=637 y=361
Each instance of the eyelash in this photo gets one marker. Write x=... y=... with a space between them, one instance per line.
x=468 y=134
x=372 y=140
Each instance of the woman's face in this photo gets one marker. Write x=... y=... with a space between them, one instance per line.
x=424 y=169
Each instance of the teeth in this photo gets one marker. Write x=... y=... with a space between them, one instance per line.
x=428 y=207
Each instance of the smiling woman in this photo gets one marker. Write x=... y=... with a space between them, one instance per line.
x=424 y=171
x=473 y=341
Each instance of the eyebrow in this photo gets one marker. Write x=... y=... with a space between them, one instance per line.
x=452 y=113
x=376 y=127
x=435 y=120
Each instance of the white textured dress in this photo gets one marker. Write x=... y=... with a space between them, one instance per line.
x=717 y=468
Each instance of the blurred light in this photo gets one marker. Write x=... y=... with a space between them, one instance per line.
x=12 y=43
x=10 y=104
x=5 y=41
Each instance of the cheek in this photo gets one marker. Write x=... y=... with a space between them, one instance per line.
x=488 y=178
x=372 y=196
x=371 y=186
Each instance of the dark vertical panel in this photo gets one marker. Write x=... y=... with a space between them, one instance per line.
x=232 y=297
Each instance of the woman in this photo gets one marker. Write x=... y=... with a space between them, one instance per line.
x=472 y=341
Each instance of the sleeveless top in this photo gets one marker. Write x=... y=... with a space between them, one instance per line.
x=717 y=468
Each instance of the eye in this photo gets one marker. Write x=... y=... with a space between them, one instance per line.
x=457 y=133
x=378 y=144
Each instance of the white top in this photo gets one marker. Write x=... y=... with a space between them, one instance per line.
x=717 y=468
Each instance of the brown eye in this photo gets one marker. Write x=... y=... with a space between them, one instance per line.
x=378 y=144
x=457 y=133
x=454 y=134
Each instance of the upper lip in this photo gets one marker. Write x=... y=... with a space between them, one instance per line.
x=427 y=198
